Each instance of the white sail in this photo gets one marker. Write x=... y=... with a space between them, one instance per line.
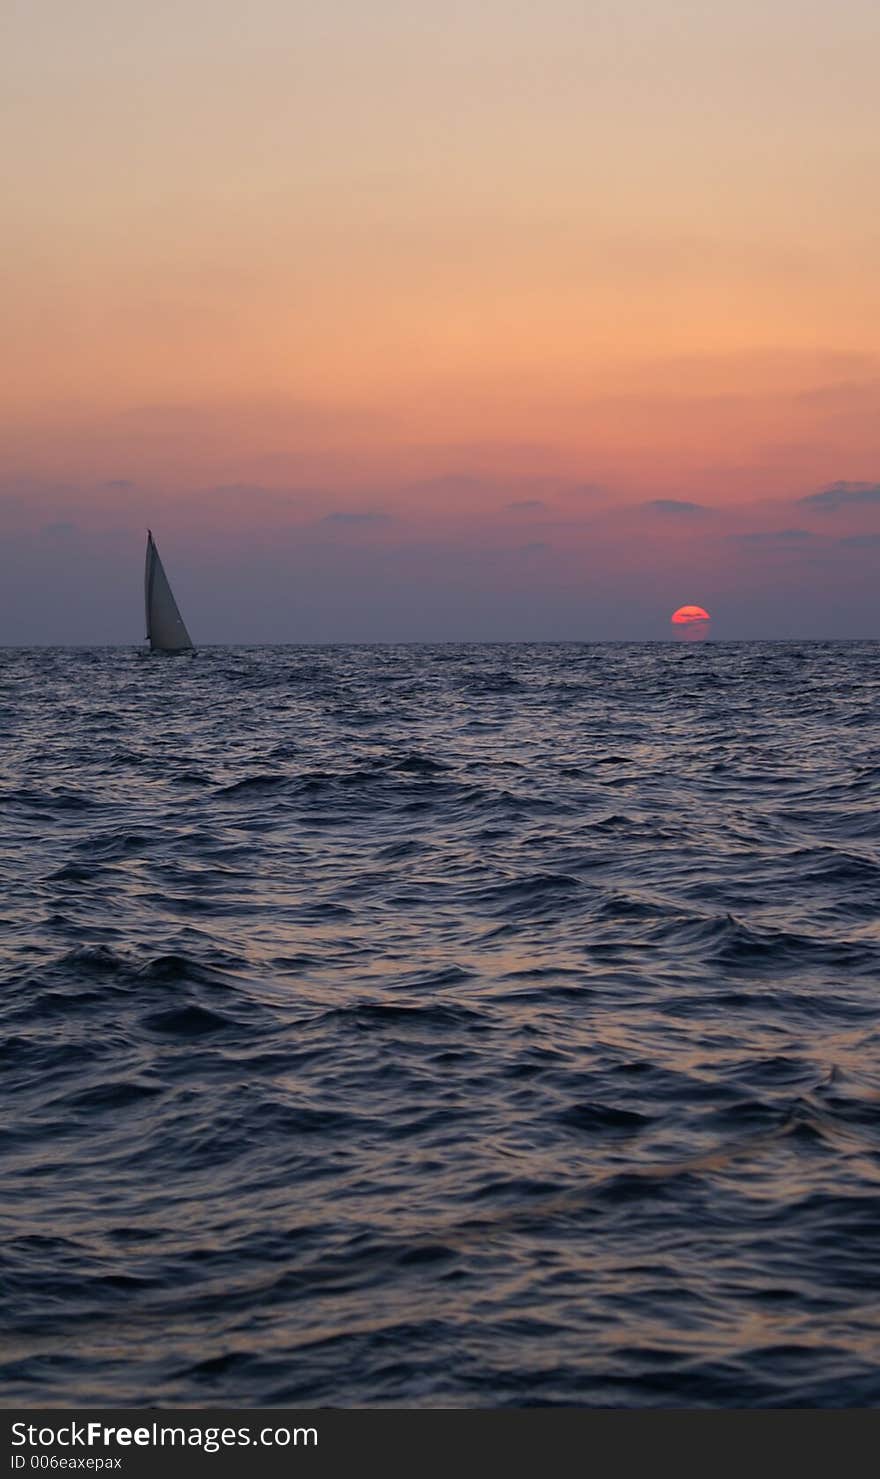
x=165 y=629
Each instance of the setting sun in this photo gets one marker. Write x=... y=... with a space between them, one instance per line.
x=692 y=622
x=686 y=614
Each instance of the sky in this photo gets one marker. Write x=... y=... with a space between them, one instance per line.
x=421 y=322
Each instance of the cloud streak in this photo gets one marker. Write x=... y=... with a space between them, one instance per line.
x=861 y=541
x=776 y=536
x=675 y=507
x=355 y=517
x=842 y=495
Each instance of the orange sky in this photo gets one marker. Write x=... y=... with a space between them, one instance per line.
x=420 y=259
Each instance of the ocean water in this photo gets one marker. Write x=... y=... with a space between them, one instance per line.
x=453 y=1026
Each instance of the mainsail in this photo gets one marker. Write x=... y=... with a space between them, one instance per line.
x=165 y=629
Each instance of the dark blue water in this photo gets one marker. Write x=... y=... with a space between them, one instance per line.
x=457 y=1025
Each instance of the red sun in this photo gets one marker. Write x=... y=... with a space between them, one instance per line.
x=692 y=622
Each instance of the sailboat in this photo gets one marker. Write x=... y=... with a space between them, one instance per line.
x=166 y=631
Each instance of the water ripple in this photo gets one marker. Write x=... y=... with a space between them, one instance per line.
x=450 y=1026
